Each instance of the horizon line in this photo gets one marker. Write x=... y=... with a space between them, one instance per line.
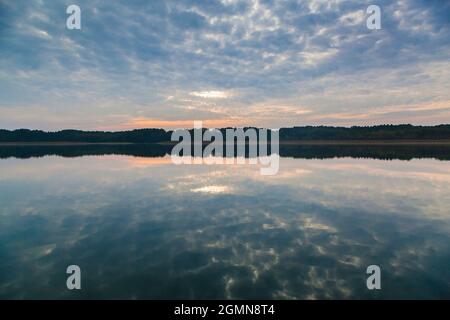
x=230 y=127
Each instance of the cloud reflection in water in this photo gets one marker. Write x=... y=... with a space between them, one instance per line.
x=155 y=230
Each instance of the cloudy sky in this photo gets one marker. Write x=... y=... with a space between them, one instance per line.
x=274 y=63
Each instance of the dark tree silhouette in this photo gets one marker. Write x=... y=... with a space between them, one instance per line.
x=382 y=132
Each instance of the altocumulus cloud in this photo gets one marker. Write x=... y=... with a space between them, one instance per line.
x=256 y=62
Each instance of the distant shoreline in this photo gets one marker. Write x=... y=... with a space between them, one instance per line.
x=44 y=143
x=320 y=135
x=366 y=142
x=286 y=142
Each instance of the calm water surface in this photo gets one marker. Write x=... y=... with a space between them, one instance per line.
x=144 y=228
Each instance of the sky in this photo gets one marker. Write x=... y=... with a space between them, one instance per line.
x=267 y=63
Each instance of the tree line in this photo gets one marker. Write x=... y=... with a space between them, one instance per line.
x=381 y=132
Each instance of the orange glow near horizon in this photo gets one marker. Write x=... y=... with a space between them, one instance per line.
x=259 y=118
x=140 y=123
x=142 y=162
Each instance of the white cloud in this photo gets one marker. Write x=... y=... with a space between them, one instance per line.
x=352 y=18
x=212 y=94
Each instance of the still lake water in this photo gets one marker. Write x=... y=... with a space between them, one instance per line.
x=141 y=227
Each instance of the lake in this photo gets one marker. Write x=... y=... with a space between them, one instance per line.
x=141 y=227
